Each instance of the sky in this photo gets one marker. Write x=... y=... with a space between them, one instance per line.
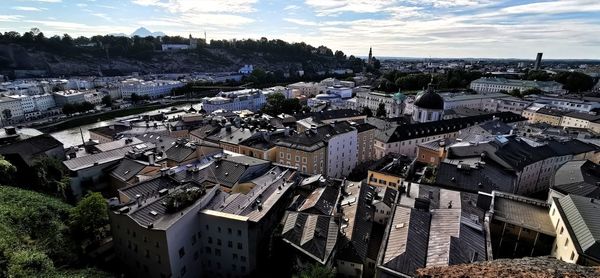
x=394 y=28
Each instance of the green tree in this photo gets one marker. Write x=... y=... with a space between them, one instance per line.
x=575 y=81
x=515 y=93
x=107 y=100
x=89 y=217
x=135 y=98
x=7 y=172
x=316 y=271
x=50 y=175
x=532 y=91
x=367 y=111
x=381 y=113
x=30 y=263
x=7 y=114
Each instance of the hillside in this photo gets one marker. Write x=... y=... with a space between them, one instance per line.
x=540 y=267
x=34 y=237
x=32 y=54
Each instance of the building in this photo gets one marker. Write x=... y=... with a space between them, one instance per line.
x=475 y=101
x=428 y=106
x=576 y=177
x=151 y=89
x=496 y=85
x=11 y=110
x=404 y=139
x=506 y=104
x=390 y=171
x=393 y=103
x=577 y=229
x=330 y=150
x=538 y=61
x=579 y=119
x=248 y=99
x=305 y=89
x=432 y=227
x=211 y=234
x=108 y=133
x=365 y=141
x=550 y=116
x=73 y=97
x=519 y=227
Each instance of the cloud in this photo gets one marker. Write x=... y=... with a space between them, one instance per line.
x=202 y=6
x=301 y=22
x=28 y=9
x=8 y=18
x=103 y=16
x=291 y=7
x=77 y=29
x=46 y=1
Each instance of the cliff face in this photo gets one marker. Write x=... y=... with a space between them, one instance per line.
x=540 y=267
x=17 y=58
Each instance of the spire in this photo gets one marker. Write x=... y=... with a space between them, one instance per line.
x=370 y=61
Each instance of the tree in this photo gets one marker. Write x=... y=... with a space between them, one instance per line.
x=50 y=175
x=7 y=172
x=107 y=100
x=7 y=114
x=317 y=271
x=30 y=263
x=575 y=81
x=277 y=104
x=515 y=93
x=367 y=111
x=381 y=113
x=89 y=217
x=135 y=98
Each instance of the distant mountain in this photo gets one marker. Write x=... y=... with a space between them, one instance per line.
x=143 y=32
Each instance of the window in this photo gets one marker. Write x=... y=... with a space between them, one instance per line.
x=193 y=239
x=235 y=256
x=572 y=255
x=239 y=245
x=566 y=241
x=230 y=244
x=239 y=232
x=219 y=241
x=208 y=250
x=217 y=252
x=181 y=252
x=562 y=229
x=281 y=154
x=219 y=229
x=229 y=230
x=243 y=258
x=210 y=240
x=553 y=211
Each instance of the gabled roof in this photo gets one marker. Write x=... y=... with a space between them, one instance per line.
x=419 y=130
x=128 y=168
x=406 y=245
x=312 y=140
x=322 y=200
x=583 y=217
x=31 y=147
x=314 y=235
x=578 y=177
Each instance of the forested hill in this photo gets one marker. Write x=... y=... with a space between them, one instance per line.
x=33 y=53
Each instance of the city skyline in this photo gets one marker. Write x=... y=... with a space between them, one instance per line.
x=403 y=28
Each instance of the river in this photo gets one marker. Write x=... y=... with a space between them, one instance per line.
x=72 y=136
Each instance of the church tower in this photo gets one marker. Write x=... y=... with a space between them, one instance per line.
x=370 y=61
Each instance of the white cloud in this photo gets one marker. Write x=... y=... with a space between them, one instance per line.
x=103 y=16
x=301 y=22
x=8 y=18
x=28 y=9
x=46 y=1
x=291 y=7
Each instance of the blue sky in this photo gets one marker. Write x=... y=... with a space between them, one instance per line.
x=408 y=28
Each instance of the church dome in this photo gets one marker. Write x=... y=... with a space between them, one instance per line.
x=429 y=100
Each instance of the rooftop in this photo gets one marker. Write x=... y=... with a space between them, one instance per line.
x=524 y=212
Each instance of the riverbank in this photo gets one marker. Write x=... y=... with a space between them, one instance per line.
x=104 y=116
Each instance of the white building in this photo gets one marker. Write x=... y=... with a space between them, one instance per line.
x=394 y=103
x=248 y=99
x=174 y=47
x=506 y=104
x=566 y=103
x=152 y=89
x=94 y=97
x=306 y=88
x=428 y=107
x=495 y=85
x=14 y=106
x=342 y=152
x=246 y=69
x=474 y=101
